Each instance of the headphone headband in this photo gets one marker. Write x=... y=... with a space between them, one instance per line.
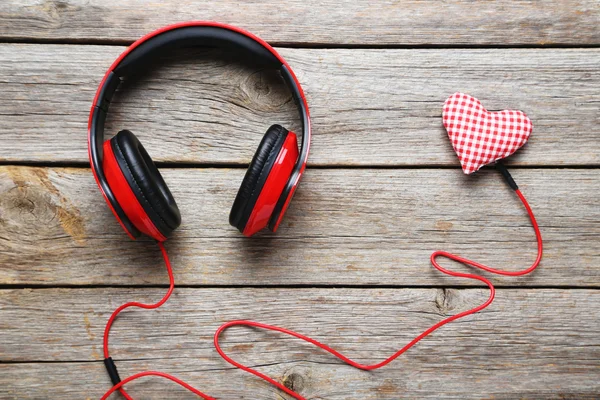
x=189 y=34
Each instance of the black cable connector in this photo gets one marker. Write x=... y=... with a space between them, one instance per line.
x=509 y=179
x=111 y=368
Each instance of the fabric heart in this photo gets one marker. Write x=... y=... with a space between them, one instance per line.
x=480 y=137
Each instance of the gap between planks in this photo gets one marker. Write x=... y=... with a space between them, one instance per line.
x=317 y=46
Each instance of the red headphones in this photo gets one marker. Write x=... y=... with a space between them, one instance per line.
x=132 y=185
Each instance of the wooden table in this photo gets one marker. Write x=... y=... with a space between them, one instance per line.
x=350 y=264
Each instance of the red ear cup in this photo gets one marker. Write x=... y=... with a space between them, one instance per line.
x=139 y=187
x=267 y=175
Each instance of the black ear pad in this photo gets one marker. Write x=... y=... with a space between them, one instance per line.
x=146 y=182
x=257 y=174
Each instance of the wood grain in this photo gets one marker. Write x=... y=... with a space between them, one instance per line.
x=350 y=264
x=328 y=22
x=369 y=107
x=345 y=227
x=535 y=343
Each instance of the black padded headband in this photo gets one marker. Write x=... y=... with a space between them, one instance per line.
x=190 y=34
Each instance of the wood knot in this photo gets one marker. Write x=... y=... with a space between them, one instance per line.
x=54 y=8
x=266 y=91
x=445 y=300
x=294 y=381
x=23 y=205
x=32 y=206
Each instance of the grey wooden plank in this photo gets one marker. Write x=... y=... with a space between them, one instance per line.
x=405 y=379
x=327 y=22
x=358 y=227
x=536 y=343
x=369 y=107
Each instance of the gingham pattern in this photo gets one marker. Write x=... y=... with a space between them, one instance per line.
x=480 y=137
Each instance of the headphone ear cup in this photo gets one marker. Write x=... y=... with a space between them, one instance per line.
x=265 y=179
x=139 y=186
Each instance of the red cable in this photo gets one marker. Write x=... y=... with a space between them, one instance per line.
x=347 y=360
x=140 y=305
x=412 y=342
x=119 y=386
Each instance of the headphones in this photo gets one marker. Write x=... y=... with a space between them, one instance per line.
x=142 y=203
x=131 y=184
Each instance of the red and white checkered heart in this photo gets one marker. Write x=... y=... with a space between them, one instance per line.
x=480 y=137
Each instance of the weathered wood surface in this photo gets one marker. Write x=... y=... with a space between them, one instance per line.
x=403 y=380
x=536 y=343
x=315 y=22
x=352 y=227
x=369 y=107
x=368 y=232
